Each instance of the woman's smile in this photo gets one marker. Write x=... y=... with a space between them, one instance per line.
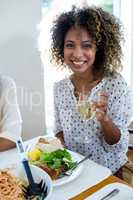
x=78 y=64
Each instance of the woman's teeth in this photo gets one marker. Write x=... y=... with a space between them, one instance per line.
x=79 y=62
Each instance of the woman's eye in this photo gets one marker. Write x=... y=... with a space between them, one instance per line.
x=87 y=45
x=69 y=45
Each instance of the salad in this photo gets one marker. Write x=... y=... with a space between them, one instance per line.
x=54 y=162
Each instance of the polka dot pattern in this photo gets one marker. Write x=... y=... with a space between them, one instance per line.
x=75 y=129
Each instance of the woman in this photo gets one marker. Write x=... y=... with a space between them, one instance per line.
x=10 y=118
x=87 y=41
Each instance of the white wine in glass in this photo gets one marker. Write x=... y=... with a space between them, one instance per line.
x=85 y=109
x=84 y=106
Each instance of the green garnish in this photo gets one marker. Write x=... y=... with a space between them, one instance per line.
x=57 y=159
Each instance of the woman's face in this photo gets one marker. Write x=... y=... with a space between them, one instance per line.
x=79 y=50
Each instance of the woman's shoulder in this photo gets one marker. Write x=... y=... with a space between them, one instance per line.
x=117 y=84
x=117 y=79
x=62 y=83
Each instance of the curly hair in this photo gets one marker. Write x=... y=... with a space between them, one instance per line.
x=103 y=27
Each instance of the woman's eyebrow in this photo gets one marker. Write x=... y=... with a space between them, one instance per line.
x=69 y=41
x=85 y=41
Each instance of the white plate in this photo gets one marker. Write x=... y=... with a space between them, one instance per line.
x=75 y=174
x=65 y=179
x=125 y=192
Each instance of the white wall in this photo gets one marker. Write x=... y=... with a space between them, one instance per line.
x=124 y=10
x=19 y=58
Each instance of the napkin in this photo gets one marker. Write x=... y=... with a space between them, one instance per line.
x=126 y=192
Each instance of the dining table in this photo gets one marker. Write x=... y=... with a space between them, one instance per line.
x=90 y=178
x=87 y=193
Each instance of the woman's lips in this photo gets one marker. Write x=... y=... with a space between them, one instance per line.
x=78 y=64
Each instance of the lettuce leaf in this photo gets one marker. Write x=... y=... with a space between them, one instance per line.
x=57 y=159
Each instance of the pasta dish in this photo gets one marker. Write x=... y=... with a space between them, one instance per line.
x=10 y=187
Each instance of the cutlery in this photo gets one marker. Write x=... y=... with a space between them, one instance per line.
x=69 y=172
x=111 y=194
x=33 y=189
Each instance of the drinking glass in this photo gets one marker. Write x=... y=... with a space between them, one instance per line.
x=85 y=109
x=84 y=106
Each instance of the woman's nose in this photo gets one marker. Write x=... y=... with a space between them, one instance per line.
x=78 y=52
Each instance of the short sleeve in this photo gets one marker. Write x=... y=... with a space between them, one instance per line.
x=10 y=124
x=57 y=123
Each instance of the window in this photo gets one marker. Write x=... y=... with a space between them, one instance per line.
x=51 y=74
x=127 y=20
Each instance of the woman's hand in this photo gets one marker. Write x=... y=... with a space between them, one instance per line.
x=101 y=106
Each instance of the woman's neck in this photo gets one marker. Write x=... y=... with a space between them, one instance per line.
x=84 y=82
x=83 y=79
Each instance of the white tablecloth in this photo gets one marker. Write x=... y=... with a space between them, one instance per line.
x=91 y=174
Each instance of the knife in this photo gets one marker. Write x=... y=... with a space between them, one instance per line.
x=111 y=194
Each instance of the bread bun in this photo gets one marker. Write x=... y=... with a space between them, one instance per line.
x=49 y=144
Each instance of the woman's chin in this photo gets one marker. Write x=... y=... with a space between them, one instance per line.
x=79 y=71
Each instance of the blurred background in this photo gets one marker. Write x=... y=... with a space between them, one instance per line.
x=25 y=27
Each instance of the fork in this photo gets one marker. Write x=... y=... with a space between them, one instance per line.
x=33 y=189
x=69 y=172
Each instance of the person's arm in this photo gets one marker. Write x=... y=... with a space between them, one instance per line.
x=110 y=131
x=114 y=114
x=57 y=123
x=6 y=144
x=11 y=123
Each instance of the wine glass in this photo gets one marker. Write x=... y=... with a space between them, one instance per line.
x=85 y=109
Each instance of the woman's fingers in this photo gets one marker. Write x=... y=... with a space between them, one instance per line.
x=100 y=114
x=101 y=106
x=103 y=95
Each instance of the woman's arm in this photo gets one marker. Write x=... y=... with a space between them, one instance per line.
x=110 y=131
